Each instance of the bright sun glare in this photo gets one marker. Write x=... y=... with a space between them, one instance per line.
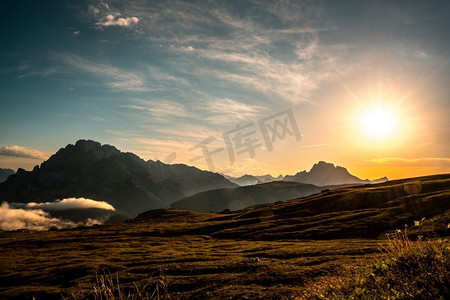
x=378 y=122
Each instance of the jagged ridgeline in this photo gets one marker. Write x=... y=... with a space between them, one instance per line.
x=104 y=173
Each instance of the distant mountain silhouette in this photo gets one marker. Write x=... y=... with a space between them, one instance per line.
x=101 y=172
x=323 y=173
x=241 y=197
x=379 y=180
x=253 y=179
x=268 y=178
x=5 y=173
x=243 y=180
x=190 y=180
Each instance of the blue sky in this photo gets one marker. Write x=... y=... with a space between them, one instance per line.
x=158 y=77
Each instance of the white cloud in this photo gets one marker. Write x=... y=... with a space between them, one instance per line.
x=18 y=151
x=70 y=203
x=109 y=16
x=111 y=20
x=34 y=219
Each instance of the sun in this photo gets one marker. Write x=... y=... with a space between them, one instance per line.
x=378 y=122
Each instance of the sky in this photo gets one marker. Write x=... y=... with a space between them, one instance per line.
x=237 y=87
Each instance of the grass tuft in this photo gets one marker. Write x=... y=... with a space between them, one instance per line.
x=407 y=270
x=108 y=287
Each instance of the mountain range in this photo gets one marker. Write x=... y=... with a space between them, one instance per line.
x=103 y=173
x=323 y=174
x=253 y=179
x=131 y=185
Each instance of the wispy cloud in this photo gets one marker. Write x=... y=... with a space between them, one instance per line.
x=152 y=148
x=158 y=108
x=248 y=61
x=410 y=160
x=225 y=111
x=41 y=73
x=18 y=151
x=315 y=145
x=115 y=77
x=440 y=163
x=245 y=52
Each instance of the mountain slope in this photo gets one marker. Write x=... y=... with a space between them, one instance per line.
x=358 y=211
x=5 y=173
x=323 y=173
x=101 y=172
x=189 y=179
x=241 y=197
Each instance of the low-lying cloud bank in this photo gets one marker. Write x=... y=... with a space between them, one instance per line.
x=34 y=216
x=70 y=203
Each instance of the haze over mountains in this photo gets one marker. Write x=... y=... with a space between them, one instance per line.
x=245 y=196
x=253 y=179
x=322 y=176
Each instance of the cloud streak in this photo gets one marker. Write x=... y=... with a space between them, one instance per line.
x=116 y=78
x=385 y=160
x=70 y=203
x=224 y=111
x=22 y=152
x=440 y=164
x=158 y=108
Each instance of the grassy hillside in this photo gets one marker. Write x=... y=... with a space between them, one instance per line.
x=272 y=251
x=242 y=197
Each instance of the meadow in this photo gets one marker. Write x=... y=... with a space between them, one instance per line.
x=291 y=249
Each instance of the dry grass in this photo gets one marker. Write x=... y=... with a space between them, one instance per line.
x=407 y=270
x=49 y=265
